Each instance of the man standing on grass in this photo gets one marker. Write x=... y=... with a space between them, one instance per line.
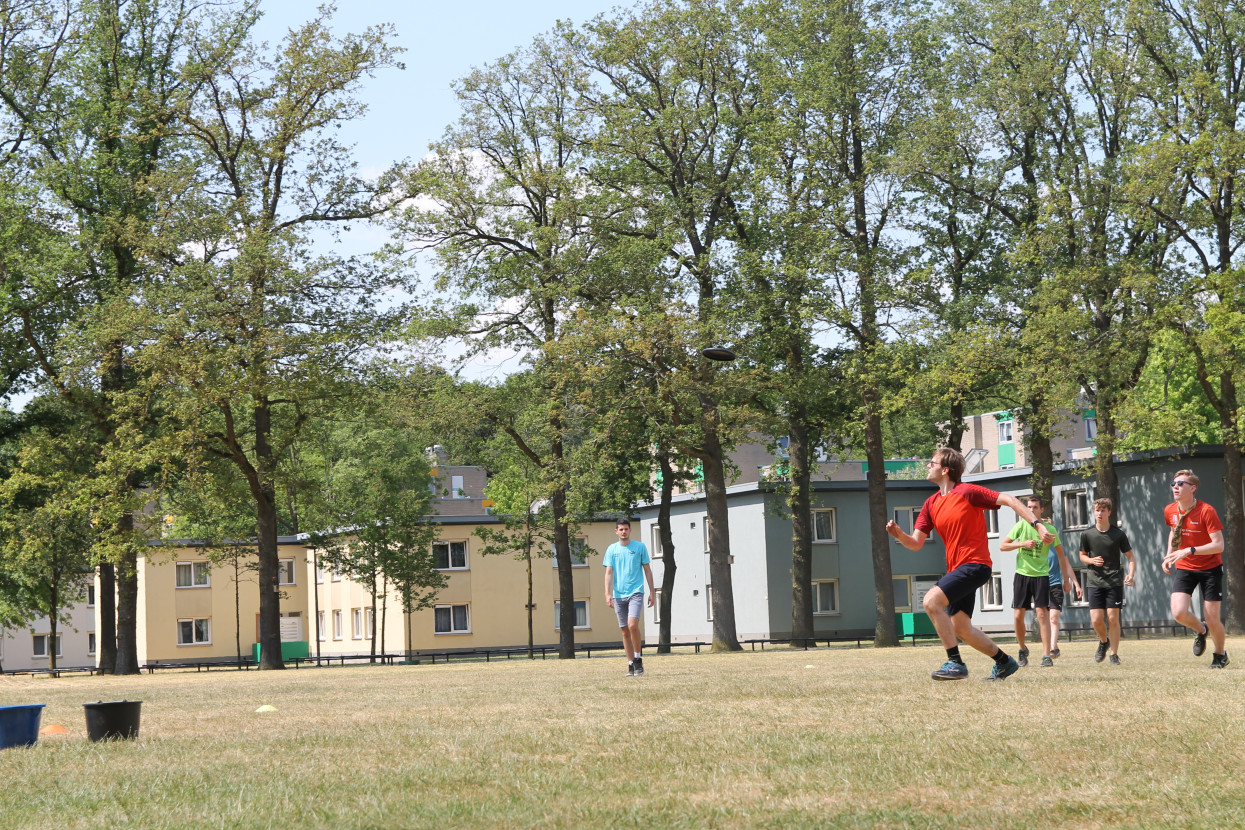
x=1195 y=548
x=1032 y=584
x=626 y=570
x=957 y=512
x=1101 y=548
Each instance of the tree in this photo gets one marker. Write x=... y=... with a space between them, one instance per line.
x=250 y=333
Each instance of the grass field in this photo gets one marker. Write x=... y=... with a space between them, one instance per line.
x=824 y=738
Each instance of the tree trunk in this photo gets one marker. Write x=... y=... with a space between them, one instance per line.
x=801 y=526
x=884 y=634
x=266 y=547
x=955 y=430
x=1233 y=512
x=668 y=566
x=1106 y=481
x=716 y=508
x=127 y=610
x=566 y=581
x=1042 y=460
x=106 y=642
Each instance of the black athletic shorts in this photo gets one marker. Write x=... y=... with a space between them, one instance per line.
x=1030 y=591
x=1183 y=582
x=961 y=586
x=1112 y=597
x=1055 y=600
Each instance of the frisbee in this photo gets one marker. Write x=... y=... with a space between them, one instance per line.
x=718 y=353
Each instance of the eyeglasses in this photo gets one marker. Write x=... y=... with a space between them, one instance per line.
x=1182 y=484
x=932 y=464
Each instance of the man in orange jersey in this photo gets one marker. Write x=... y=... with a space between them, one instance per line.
x=957 y=512
x=1195 y=550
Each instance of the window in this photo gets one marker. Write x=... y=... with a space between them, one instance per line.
x=579 y=553
x=704 y=526
x=194 y=632
x=337 y=625
x=356 y=624
x=337 y=572
x=193 y=575
x=1005 y=432
x=992 y=594
x=709 y=602
x=90 y=595
x=39 y=646
x=823 y=525
x=450 y=556
x=655 y=548
x=1091 y=425
x=456 y=487
x=992 y=522
x=90 y=643
x=1075 y=509
x=581 y=615
x=922 y=585
x=1069 y=592
x=369 y=624
x=451 y=619
x=826 y=597
x=657 y=607
x=285 y=572
x=319 y=571
x=903 y=593
x=322 y=632
x=905 y=517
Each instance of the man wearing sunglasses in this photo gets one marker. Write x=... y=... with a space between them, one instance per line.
x=1195 y=550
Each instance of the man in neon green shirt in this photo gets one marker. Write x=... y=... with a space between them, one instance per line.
x=1031 y=586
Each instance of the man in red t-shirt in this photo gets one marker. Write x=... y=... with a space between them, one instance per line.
x=1195 y=548
x=957 y=512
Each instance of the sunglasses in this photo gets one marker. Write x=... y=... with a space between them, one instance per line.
x=1182 y=483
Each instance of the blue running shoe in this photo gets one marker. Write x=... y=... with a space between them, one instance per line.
x=951 y=670
x=1004 y=671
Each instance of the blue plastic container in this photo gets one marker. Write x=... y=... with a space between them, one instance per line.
x=19 y=725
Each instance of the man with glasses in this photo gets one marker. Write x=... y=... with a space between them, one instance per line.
x=1195 y=549
x=957 y=512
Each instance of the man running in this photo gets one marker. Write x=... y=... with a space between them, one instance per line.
x=1195 y=549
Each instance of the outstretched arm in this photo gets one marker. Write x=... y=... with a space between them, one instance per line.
x=1022 y=510
x=911 y=541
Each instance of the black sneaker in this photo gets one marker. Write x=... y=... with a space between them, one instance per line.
x=1219 y=661
x=1002 y=671
x=639 y=666
x=1101 y=653
x=1199 y=642
x=631 y=668
x=1115 y=659
x=1022 y=657
x=1054 y=652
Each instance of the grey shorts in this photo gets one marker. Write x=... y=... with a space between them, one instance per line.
x=625 y=607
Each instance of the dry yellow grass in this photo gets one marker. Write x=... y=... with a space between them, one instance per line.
x=823 y=738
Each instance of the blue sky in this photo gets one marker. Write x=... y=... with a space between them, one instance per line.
x=443 y=42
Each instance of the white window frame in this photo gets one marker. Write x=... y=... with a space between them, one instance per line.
x=452 y=630
x=319 y=570
x=655 y=548
x=356 y=623
x=708 y=602
x=907 y=581
x=704 y=529
x=992 y=523
x=90 y=595
x=657 y=607
x=200 y=574
x=579 y=552
x=36 y=639
x=194 y=631
x=1069 y=592
x=337 y=624
x=557 y=615
x=905 y=517
x=285 y=569
x=991 y=594
x=91 y=643
x=834 y=526
x=1091 y=428
x=337 y=572
x=820 y=586
x=1084 y=497
x=456 y=487
x=449 y=555
x=369 y=623
x=1007 y=431
x=321 y=632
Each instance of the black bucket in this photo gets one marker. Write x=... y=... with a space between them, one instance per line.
x=115 y=720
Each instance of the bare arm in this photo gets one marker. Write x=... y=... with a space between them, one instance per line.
x=609 y=585
x=652 y=592
x=1065 y=568
x=1132 y=567
x=911 y=541
x=1022 y=510
x=1174 y=556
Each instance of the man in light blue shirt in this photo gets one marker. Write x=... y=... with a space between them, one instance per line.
x=626 y=570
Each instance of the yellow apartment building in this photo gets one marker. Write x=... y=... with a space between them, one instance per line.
x=196 y=607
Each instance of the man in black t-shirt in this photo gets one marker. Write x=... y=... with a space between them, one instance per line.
x=1102 y=548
